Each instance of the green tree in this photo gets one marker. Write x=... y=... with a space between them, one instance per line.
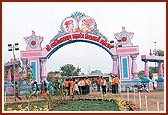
x=141 y=74
x=77 y=71
x=152 y=70
x=69 y=70
x=29 y=74
x=160 y=52
x=5 y=73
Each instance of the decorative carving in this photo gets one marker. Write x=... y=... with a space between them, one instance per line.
x=125 y=37
x=78 y=22
x=33 y=42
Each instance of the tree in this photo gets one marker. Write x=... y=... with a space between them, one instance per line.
x=152 y=70
x=5 y=73
x=141 y=74
x=69 y=70
x=29 y=76
x=77 y=71
x=160 y=52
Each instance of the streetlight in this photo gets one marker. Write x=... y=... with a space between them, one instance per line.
x=13 y=48
x=155 y=53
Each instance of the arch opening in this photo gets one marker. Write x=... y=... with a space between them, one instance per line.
x=74 y=41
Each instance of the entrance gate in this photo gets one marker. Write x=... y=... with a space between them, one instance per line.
x=81 y=28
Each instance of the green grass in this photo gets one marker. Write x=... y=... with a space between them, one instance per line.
x=88 y=106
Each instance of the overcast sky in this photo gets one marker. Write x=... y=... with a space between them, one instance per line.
x=146 y=20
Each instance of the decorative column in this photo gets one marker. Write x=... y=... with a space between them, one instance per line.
x=134 y=69
x=9 y=75
x=24 y=61
x=160 y=70
x=115 y=65
x=160 y=80
x=43 y=70
x=146 y=70
x=146 y=79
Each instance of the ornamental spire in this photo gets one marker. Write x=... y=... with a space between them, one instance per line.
x=33 y=33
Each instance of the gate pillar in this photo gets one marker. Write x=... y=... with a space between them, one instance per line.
x=43 y=69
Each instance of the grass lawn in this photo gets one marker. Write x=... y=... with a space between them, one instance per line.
x=81 y=105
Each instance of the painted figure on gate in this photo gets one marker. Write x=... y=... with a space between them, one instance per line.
x=87 y=25
x=69 y=25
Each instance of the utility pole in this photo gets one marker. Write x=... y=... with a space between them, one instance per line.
x=155 y=53
x=13 y=48
x=88 y=69
x=155 y=49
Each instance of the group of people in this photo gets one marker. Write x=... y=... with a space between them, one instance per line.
x=115 y=84
x=77 y=87
x=101 y=82
x=34 y=90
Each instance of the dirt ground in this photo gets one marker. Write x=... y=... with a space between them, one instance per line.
x=155 y=99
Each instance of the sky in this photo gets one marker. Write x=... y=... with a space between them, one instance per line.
x=146 y=20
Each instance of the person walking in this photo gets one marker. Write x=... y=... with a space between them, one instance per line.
x=83 y=84
x=98 y=83
x=113 y=85
x=72 y=84
x=43 y=88
x=103 y=85
x=35 y=89
x=76 y=90
x=56 y=86
x=67 y=85
x=88 y=83
x=92 y=82
x=80 y=86
x=116 y=84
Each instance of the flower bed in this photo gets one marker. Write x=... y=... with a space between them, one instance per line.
x=27 y=106
x=116 y=104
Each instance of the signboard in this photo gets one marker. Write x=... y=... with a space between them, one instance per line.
x=75 y=36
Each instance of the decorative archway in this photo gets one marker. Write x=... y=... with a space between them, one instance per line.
x=81 y=28
x=77 y=37
x=160 y=61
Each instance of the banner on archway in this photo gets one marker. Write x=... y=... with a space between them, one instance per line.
x=75 y=36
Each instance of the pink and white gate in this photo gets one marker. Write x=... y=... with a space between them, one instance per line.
x=81 y=28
